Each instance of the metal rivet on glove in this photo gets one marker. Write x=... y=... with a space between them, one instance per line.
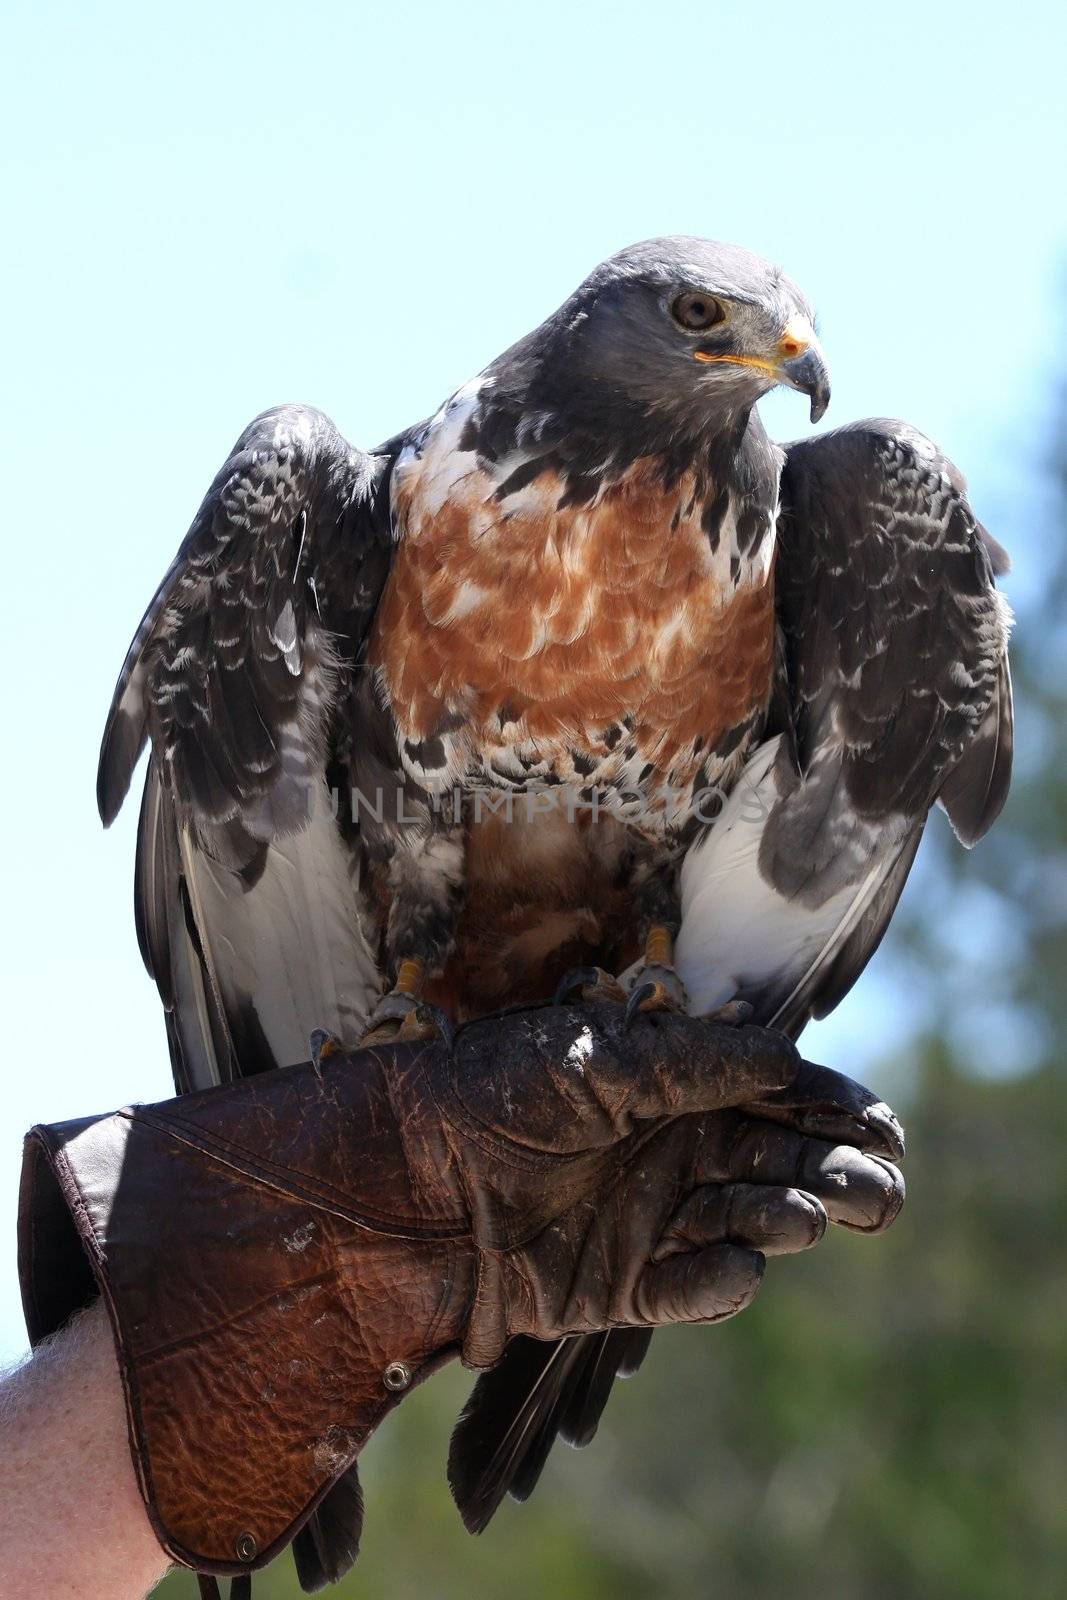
x=396 y=1375
x=246 y=1546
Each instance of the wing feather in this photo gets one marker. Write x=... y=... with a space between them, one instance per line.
x=536 y=1392
x=899 y=694
x=250 y=915
x=198 y=1037
x=974 y=792
x=233 y=671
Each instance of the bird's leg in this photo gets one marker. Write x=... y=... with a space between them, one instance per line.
x=425 y=883
x=655 y=986
x=404 y=1014
x=652 y=982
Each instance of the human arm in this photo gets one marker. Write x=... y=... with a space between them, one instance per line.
x=75 y=1525
x=301 y=1248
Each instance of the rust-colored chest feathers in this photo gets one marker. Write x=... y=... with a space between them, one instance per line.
x=522 y=640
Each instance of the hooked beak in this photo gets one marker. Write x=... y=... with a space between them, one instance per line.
x=798 y=361
x=802 y=366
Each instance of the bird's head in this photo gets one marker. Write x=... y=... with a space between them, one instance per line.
x=682 y=327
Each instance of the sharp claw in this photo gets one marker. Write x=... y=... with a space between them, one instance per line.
x=428 y=1021
x=659 y=989
x=732 y=1014
x=574 y=980
x=588 y=983
x=403 y=1017
x=323 y=1045
x=636 y=1003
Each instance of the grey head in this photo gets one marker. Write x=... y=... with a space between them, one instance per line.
x=683 y=331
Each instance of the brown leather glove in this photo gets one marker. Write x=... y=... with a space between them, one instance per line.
x=282 y=1258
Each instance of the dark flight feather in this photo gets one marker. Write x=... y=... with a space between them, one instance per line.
x=974 y=792
x=499 y=1447
x=328 y=1543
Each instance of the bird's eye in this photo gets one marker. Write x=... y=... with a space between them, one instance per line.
x=695 y=311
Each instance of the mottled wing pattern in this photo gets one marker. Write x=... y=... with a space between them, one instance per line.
x=247 y=897
x=894 y=693
x=894 y=659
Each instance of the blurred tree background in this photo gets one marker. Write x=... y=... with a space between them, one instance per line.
x=890 y=1419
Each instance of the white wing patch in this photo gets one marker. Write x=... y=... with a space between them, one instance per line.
x=739 y=934
x=290 y=949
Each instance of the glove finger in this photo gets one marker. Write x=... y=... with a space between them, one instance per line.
x=700 y=1286
x=577 y=1078
x=774 y=1221
x=861 y=1192
x=672 y=1064
x=830 y=1106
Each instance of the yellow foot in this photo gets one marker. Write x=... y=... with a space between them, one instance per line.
x=589 y=984
x=402 y=1015
x=401 y=1018
x=654 y=984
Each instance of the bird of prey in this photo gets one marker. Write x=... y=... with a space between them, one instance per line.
x=581 y=677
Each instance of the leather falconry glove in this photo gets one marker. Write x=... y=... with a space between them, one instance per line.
x=284 y=1257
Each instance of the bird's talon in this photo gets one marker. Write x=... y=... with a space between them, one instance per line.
x=732 y=1015
x=323 y=1045
x=404 y=1017
x=636 y=1003
x=388 y=1033
x=428 y=1021
x=589 y=984
x=661 y=987
x=653 y=983
x=659 y=997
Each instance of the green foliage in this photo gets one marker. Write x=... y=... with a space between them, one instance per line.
x=890 y=1419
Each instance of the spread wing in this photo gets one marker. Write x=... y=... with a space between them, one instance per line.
x=249 y=912
x=894 y=695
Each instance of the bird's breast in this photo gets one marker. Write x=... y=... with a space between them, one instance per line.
x=530 y=637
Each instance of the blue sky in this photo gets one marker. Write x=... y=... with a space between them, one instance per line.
x=218 y=208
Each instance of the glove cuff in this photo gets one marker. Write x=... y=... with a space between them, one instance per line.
x=262 y=1330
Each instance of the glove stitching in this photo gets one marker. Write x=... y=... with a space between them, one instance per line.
x=321 y=1195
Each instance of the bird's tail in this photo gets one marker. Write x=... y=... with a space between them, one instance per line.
x=537 y=1392
x=328 y=1543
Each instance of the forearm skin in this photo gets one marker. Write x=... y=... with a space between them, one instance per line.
x=75 y=1526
